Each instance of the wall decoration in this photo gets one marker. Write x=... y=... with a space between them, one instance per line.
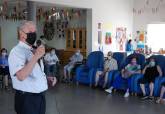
x=121 y=37
x=14 y=12
x=48 y=30
x=141 y=39
x=148 y=7
x=107 y=26
x=99 y=37
x=99 y=25
x=108 y=38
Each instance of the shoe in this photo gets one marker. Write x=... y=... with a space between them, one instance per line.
x=126 y=94
x=151 y=98
x=7 y=88
x=54 y=82
x=158 y=101
x=109 y=90
x=144 y=97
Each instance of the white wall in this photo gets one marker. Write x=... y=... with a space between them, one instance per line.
x=9 y=33
x=117 y=12
x=147 y=16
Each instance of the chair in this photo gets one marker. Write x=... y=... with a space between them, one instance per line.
x=121 y=83
x=161 y=62
x=119 y=57
x=85 y=73
x=159 y=80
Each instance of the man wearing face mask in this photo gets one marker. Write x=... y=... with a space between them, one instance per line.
x=150 y=72
x=109 y=65
x=4 y=67
x=27 y=72
x=77 y=57
x=51 y=60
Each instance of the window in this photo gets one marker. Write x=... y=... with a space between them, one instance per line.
x=156 y=36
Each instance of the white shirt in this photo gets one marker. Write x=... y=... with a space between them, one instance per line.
x=51 y=59
x=76 y=58
x=36 y=82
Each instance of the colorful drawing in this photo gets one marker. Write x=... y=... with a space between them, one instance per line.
x=121 y=37
x=108 y=38
x=107 y=26
x=99 y=37
x=141 y=39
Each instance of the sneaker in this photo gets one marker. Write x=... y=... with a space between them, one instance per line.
x=144 y=97
x=151 y=98
x=54 y=82
x=109 y=90
x=126 y=94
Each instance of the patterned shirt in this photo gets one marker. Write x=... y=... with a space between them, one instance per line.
x=110 y=64
x=132 y=68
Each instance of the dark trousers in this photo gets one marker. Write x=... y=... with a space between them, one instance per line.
x=30 y=103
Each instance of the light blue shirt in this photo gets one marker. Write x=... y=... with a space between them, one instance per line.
x=76 y=58
x=36 y=82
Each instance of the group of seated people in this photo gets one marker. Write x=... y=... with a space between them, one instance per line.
x=150 y=72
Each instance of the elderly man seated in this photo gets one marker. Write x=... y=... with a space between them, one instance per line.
x=77 y=57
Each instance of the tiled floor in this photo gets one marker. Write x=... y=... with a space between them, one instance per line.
x=72 y=99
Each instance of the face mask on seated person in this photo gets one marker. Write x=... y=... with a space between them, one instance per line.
x=53 y=52
x=152 y=64
x=109 y=57
x=31 y=38
x=4 y=54
x=77 y=53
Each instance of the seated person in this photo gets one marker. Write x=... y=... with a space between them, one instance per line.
x=109 y=65
x=50 y=65
x=77 y=57
x=131 y=69
x=151 y=71
x=162 y=92
x=4 y=67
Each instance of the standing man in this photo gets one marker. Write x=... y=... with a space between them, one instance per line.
x=27 y=72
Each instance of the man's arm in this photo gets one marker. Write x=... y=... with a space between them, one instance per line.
x=27 y=69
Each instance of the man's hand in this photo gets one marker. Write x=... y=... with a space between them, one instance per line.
x=40 y=51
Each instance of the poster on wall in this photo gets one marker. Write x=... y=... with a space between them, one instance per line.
x=121 y=37
x=141 y=39
x=108 y=38
x=99 y=37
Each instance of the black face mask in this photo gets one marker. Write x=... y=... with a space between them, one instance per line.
x=31 y=38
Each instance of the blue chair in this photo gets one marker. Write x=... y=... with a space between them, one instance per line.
x=160 y=61
x=159 y=80
x=85 y=73
x=121 y=83
x=119 y=57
